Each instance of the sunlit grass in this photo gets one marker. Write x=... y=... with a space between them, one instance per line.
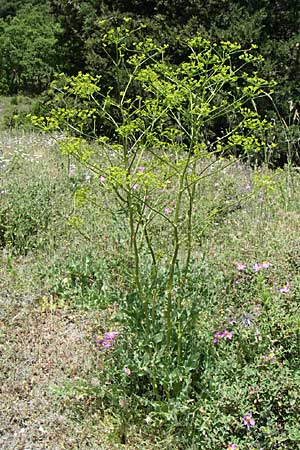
x=81 y=272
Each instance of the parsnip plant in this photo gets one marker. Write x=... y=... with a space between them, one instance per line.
x=154 y=149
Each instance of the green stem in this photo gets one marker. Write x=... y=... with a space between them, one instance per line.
x=191 y=193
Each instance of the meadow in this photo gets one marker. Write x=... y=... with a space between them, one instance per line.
x=80 y=369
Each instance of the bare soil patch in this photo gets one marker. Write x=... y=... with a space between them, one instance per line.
x=41 y=350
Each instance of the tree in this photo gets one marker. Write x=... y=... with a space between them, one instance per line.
x=28 y=49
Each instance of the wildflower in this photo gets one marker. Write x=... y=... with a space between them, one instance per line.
x=265 y=264
x=102 y=180
x=108 y=339
x=232 y=447
x=111 y=335
x=270 y=357
x=225 y=334
x=167 y=211
x=88 y=176
x=247 y=320
x=127 y=371
x=218 y=335
x=248 y=421
x=285 y=289
x=135 y=186
x=141 y=169
x=256 y=267
x=241 y=266
x=105 y=344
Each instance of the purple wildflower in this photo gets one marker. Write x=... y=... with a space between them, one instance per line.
x=240 y=266
x=248 y=421
x=135 y=186
x=285 y=289
x=108 y=339
x=265 y=264
x=167 y=211
x=256 y=267
x=217 y=336
x=105 y=344
x=111 y=335
x=102 y=180
x=232 y=447
x=141 y=169
x=225 y=334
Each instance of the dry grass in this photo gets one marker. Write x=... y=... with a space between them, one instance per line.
x=40 y=350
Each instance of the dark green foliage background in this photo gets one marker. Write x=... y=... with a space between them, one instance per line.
x=75 y=44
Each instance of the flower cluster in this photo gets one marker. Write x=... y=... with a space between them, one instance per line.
x=258 y=266
x=225 y=334
x=108 y=339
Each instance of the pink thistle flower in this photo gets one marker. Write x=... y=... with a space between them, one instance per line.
x=240 y=266
x=102 y=180
x=248 y=421
x=285 y=289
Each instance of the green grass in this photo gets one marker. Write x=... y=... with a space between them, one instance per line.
x=63 y=285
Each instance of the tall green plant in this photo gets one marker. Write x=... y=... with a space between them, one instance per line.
x=152 y=164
